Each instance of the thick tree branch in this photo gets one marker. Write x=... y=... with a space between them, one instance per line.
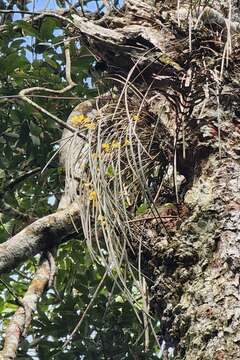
x=41 y=235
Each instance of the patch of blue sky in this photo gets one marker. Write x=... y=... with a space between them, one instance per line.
x=45 y=5
x=37 y=5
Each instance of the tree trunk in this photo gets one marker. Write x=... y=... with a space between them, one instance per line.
x=181 y=60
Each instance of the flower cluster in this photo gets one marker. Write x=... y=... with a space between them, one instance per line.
x=108 y=147
x=82 y=120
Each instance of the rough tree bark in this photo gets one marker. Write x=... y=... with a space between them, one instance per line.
x=195 y=269
x=184 y=62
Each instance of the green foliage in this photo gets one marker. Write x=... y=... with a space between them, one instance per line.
x=110 y=330
x=142 y=208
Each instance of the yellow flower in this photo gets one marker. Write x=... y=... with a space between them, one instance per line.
x=101 y=220
x=135 y=118
x=106 y=147
x=126 y=142
x=90 y=125
x=92 y=195
x=77 y=120
x=115 y=144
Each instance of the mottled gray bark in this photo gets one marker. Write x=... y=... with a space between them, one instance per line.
x=196 y=291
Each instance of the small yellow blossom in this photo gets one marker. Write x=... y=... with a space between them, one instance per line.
x=77 y=120
x=115 y=144
x=90 y=125
x=101 y=220
x=106 y=147
x=92 y=195
x=135 y=118
x=126 y=142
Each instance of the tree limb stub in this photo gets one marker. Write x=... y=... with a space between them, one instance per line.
x=119 y=36
x=41 y=235
x=91 y=29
